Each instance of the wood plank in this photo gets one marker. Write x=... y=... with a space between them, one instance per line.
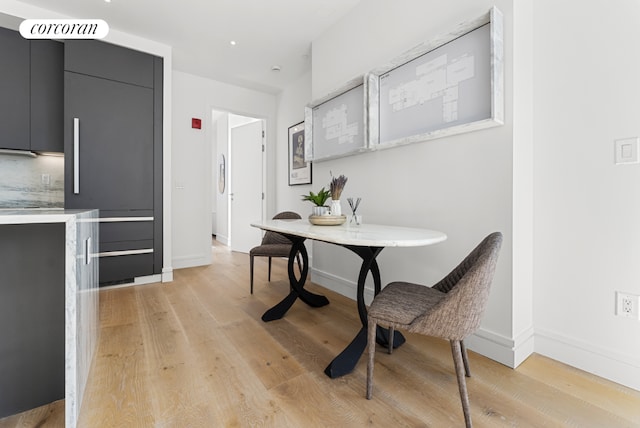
x=612 y=397
x=270 y=362
x=117 y=391
x=117 y=306
x=195 y=352
x=311 y=404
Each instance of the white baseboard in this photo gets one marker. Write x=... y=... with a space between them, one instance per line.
x=524 y=346
x=500 y=348
x=339 y=285
x=149 y=279
x=511 y=352
x=167 y=274
x=191 y=261
x=492 y=345
x=619 y=368
x=224 y=240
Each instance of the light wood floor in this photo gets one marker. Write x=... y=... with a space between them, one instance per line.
x=194 y=353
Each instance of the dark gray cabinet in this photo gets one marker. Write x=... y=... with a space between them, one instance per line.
x=124 y=244
x=108 y=61
x=32 y=316
x=114 y=268
x=47 y=96
x=113 y=108
x=115 y=144
x=14 y=90
x=31 y=84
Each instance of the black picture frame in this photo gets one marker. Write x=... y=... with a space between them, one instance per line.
x=299 y=169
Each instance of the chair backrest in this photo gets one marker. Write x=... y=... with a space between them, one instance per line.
x=287 y=215
x=467 y=287
x=275 y=238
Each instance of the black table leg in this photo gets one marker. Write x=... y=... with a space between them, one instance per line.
x=281 y=308
x=346 y=361
x=296 y=284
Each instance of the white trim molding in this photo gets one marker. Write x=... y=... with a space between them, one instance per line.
x=167 y=274
x=223 y=239
x=339 y=285
x=500 y=348
x=191 y=260
x=619 y=368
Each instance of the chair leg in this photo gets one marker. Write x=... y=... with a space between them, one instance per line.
x=269 y=269
x=251 y=272
x=462 y=384
x=391 y=330
x=465 y=359
x=371 y=345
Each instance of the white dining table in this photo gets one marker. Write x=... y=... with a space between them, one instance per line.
x=367 y=241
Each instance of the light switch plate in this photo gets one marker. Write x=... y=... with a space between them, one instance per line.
x=627 y=151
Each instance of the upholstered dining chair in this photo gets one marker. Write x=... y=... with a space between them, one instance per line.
x=452 y=309
x=274 y=245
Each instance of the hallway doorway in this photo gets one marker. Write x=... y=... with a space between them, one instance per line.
x=238 y=179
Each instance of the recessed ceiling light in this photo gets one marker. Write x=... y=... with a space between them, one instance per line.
x=232 y=43
x=107 y=1
x=275 y=68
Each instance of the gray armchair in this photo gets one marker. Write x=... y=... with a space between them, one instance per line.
x=452 y=309
x=274 y=245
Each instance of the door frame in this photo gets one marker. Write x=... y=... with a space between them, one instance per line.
x=213 y=153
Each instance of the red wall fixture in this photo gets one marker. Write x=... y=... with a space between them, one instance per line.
x=196 y=123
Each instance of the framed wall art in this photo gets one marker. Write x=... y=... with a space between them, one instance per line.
x=446 y=86
x=299 y=168
x=336 y=125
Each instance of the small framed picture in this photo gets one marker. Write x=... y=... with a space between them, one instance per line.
x=299 y=169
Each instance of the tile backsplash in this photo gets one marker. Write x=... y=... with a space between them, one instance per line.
x=31 y=182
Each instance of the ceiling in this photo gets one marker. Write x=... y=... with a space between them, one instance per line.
x=267 y=33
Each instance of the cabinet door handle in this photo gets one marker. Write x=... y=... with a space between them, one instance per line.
x=76 y=155
x=125 y=252
x=123 y=219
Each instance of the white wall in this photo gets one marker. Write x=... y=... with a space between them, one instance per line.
x=571 y=85
x=291 y=103
x=461 y=185
x=587 y=210
x=522 y=170
x=195 y=96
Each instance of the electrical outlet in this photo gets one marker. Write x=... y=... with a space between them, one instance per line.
x=627 y=305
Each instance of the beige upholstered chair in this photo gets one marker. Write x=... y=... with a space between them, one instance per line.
x=452 y=309
x=273 y=245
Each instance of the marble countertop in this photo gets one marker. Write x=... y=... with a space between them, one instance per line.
x=364 y=235
x=37 y=215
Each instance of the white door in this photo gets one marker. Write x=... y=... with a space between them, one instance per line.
x=246 y=185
